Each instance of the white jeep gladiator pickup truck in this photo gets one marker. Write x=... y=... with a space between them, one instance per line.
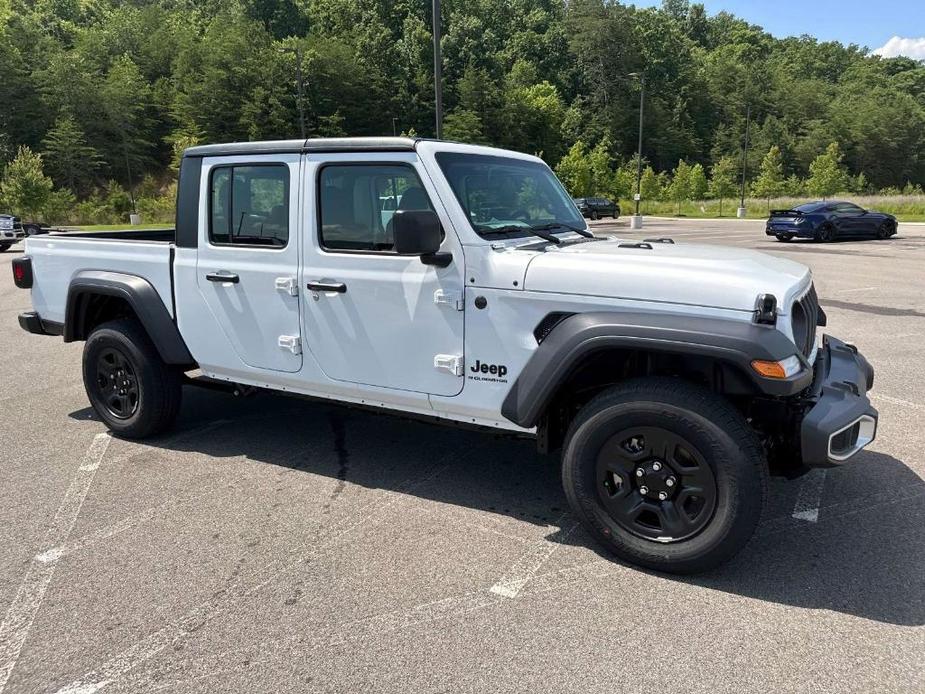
x=461 y=283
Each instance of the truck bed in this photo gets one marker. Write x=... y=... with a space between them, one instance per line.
x=57 y=258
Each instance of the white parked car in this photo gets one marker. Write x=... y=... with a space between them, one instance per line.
x=666 y=373
x=11 y=231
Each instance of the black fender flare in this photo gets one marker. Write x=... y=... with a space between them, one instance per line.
x=144 y=301
x=733 y=342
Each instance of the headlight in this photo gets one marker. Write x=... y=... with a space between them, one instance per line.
x=785 y=368
x=6 y=223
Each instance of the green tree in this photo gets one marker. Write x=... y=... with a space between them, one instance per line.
x=698 y=182
x=25 y=187
x=827 y=176
x=574 y=170
x=680 y=188
x=770 y=181
x=723 y=180
x=463 y=125
x=71 y=161
x=602 y=173
x=650 y=185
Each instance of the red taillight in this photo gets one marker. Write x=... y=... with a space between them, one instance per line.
x=22 y=272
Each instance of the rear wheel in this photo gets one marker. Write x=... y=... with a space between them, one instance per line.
x=826 y=233
x=131 y=388
x=31 y=229
x=665 y=474
x=784 y=237
x=594 y=214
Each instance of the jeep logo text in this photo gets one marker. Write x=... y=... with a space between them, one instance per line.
x=498 y=370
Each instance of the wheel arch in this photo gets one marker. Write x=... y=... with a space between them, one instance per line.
x=587 y=352
x=95 y=297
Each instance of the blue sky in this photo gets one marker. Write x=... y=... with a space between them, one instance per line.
x=870 y=23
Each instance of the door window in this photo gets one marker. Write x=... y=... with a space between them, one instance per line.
x=249 y=205
x=357 y=204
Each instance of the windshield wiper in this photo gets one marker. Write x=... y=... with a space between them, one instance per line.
x=561 y=225
x=541 y=232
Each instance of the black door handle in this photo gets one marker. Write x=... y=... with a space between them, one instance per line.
x=338 y=287
x=222 y=277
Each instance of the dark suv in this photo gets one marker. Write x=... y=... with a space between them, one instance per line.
x=595 y=208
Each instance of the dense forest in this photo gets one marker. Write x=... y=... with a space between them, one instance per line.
x=108 y=92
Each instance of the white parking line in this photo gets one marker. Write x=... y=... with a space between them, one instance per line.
x=856 y=289
x=532 y=561
x=363 y=518
x=807 y=505
x=899 y=401
x=28 y=600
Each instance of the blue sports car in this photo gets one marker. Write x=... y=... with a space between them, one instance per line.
x=829 y=220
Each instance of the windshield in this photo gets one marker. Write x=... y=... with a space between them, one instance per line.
x=503 y=194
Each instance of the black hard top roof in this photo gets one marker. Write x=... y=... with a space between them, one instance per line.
x=320 y=144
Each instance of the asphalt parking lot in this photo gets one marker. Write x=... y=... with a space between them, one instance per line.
x=276 y=545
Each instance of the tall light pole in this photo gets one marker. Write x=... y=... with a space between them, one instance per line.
x=299 y=84
x=438 y=71
x=636 y=219
x=740 y=213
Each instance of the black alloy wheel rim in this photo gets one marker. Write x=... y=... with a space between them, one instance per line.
x=655 y=484
x=884 y=230
x=117 y=383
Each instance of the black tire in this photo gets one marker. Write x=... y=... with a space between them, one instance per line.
x=32 y=229
x=120 y=353
x=784 y=238
x=616 y=213
x=4 y=247
x=885 y=231
x=826 y=233
x=709 y=440
x=594 y=214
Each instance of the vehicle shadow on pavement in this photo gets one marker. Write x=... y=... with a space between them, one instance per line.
x=864 y=556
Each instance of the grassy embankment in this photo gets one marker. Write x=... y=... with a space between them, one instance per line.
x=906 y=208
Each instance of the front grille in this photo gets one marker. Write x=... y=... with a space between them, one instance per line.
x=804 y=319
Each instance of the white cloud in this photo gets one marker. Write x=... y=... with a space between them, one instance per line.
x=896 y=46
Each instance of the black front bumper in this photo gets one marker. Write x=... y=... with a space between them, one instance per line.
x=840 y=421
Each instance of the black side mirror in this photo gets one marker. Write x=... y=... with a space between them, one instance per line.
x=418 y=232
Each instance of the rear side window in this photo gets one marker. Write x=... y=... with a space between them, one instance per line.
x=249 y=205
x=357 y=203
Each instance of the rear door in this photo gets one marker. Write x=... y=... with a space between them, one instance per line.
x=248 y=260
x=373 y=317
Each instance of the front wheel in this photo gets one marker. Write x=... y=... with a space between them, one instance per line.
x=131 y=388
x=594 y=214
x=32 y=229
x=665 y=474
x=885 y=231
x=4 y=247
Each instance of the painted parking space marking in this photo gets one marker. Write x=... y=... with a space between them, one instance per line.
x=531 y=561
x=18 y=622
x=806 y=507
x=381 y=502
x=899 y=401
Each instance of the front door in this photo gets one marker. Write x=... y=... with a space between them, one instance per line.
x=248 y=260
x=373 y=317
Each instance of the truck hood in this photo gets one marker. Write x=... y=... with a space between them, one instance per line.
x=702 y=275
